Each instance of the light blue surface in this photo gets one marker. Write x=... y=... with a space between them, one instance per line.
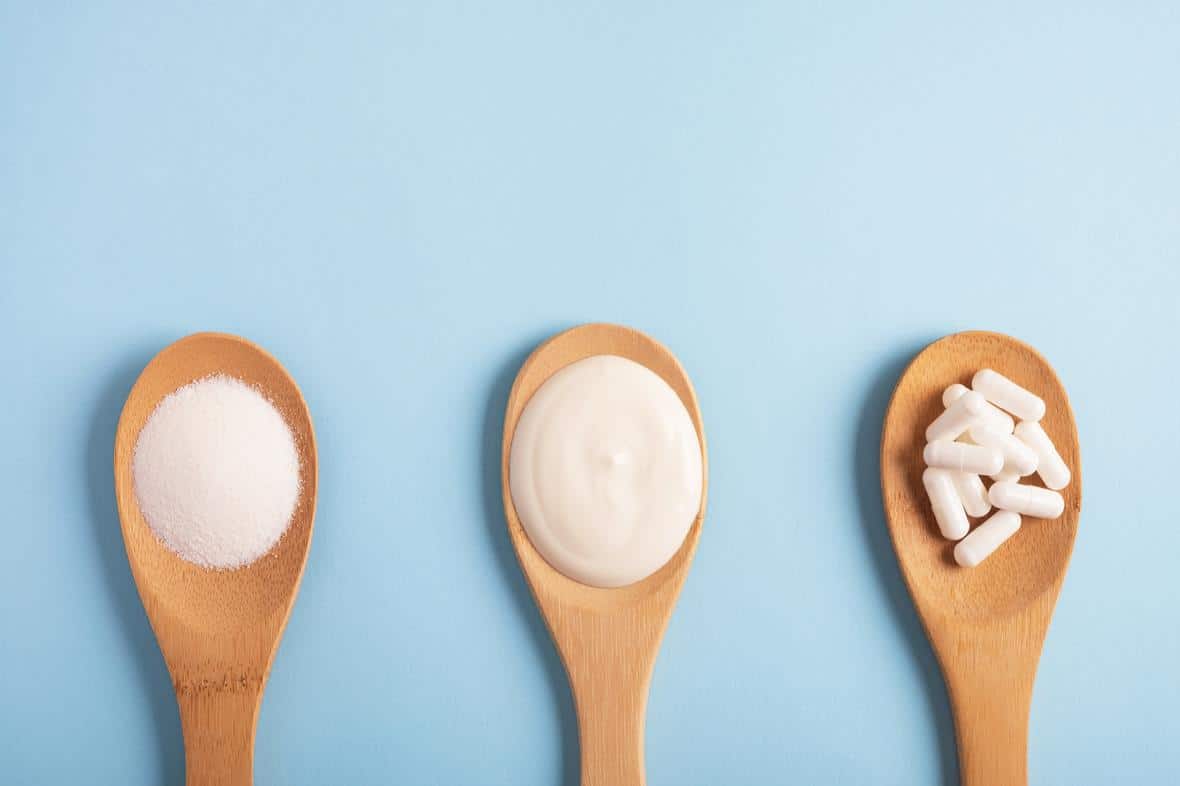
x=400 y=200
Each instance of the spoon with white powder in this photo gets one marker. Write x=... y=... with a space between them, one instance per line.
x=986 y=624
x=215 y=478
x=604 y=476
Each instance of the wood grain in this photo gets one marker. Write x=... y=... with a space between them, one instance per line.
x=607 y=638
x=986 y=624
x=218 y=629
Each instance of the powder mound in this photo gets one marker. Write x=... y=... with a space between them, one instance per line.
x=216 y=473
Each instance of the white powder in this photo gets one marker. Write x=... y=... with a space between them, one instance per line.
x=216 y=473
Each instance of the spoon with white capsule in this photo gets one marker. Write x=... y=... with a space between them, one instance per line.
x=987 y=624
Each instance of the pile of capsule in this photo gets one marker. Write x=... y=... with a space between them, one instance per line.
x=975 y=436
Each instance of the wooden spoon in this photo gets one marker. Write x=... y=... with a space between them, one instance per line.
x=986 y=624
x=218 y=629
x=607 y=638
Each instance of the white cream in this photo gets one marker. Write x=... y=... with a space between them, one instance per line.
x=605 y=471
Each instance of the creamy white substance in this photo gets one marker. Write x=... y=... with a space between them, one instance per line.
x=605 y=471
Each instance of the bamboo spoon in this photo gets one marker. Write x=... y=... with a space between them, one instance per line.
x=607 y=638
x=218 y=629
x=986 y=624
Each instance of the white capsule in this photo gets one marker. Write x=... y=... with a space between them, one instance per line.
x=986 y=538
x=953 y=394
x=1006 y=394
x=1006 y=476
x=1051 y=467
x=972 y=493
x=992 y=415
x=956 y=418
x=1018 y=457
x=1029 y=500
x=944 y=499
x=963 y=458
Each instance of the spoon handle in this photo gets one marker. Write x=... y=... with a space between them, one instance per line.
x=609 y=660
x=990 y=696
x=218 y=719
x=611 y=703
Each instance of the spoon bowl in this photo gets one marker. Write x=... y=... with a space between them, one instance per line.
x=607 y=638
x=986 y=624
x=217 y=629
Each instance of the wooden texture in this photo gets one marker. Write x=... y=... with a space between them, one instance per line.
x=607 y=638
x=218 y=629
x=986 y=624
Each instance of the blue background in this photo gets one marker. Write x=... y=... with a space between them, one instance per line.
x=401 y=199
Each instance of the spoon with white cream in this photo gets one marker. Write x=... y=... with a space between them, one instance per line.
x=604 y=475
